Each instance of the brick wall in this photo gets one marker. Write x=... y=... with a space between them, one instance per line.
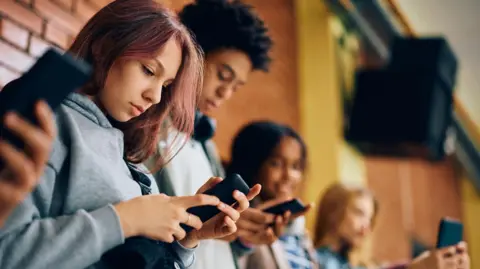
x=28 y=27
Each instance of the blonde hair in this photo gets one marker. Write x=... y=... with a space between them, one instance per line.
x=333 y=206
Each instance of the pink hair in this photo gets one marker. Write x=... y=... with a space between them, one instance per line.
x=138 y=29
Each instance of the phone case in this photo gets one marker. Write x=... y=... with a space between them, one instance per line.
x=51 y=78
x=224 y=191
x=294 y=206
x=450 y=232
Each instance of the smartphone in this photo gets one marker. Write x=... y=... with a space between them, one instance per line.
x=294 y=206
x=224 y=191
x=450 y=233
x=51 y=79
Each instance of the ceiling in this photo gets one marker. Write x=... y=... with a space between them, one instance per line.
x=458 y=20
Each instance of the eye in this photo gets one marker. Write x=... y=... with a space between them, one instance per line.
x=147 y=71
x=224 y=75
x=297 y=166
x=275 y=163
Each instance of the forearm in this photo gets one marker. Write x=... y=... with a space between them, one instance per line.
x=74 y=241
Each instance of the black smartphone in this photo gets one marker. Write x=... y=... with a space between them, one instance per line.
x=224 y=191
x=450 y=233
x=51 y=79
x=294 y=206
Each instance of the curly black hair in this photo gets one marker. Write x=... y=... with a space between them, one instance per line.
x=219 y=24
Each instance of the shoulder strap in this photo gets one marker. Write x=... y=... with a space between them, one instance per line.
x=141 y=179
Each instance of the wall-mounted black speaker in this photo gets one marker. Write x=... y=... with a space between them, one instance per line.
x=404 y=110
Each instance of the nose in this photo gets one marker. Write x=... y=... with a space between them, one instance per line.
x=224 y=92
x=365 y=229
x=290 y=174
x=154 y=94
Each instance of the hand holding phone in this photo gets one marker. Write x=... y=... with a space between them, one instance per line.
x=224 y=191
x=51 y=79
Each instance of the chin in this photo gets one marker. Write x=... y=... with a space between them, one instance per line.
x=357 y=243
x=204 y=110
x=122 y=117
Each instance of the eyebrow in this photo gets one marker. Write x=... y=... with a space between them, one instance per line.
x=160 y=64
x=162 y=67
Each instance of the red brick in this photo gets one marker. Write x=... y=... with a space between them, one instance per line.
x=58 y=15
x=56 y=35
x=14 y=33
x=21 y=15
x=6 y=76
x=14 y=58
x=85 y=10
x=38 y=46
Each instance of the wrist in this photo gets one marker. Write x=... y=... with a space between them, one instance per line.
x=190 y=241
x=125 y=223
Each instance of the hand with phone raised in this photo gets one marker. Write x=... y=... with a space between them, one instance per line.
x=21 y=169
x=452 y=257
x=266 y=222
x=159 y=217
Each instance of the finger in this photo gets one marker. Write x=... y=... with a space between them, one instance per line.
x=446 y=252
x=462 y=247
x=254 y=192
x=244 y=224
x=193 y=221
x=37 y=142
x=265 y=237
x=10 y=194
x=179 y=233
x=242 y=202
x=449 y=262
x=196 y=200
x=21 y=167
x=462 y=260
x=302 y=213
x=274 y=202
x=229 y=226
x=246 y=234
x=45 y=119
x=230 y=238
x=257 y=216
x=269 y=236
x=286 y=217
x=209 y=184
x=278 y=226
x=229 y=211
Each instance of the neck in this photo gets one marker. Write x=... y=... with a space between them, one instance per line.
x=333 y=242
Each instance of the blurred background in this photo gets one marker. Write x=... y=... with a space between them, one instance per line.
x=318 y=47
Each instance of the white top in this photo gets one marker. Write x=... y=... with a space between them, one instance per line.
x=188 y=171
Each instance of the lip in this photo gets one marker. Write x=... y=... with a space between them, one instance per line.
x=137 y=109
x=212 y=104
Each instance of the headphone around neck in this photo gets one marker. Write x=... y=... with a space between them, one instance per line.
x=204 y=127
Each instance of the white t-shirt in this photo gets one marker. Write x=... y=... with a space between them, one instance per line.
x=188 y=171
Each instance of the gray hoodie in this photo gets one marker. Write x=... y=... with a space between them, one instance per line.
x=73 y=228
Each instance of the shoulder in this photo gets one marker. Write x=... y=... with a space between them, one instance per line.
x=327 y=259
